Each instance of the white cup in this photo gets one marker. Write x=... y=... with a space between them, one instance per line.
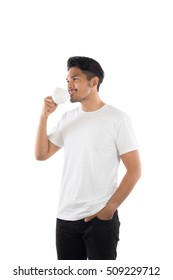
x=60 y=95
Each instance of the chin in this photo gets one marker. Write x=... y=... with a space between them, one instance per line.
x=73 y=100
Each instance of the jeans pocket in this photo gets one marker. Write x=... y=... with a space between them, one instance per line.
x=103 y=221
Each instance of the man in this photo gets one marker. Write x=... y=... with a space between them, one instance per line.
x=95 y=137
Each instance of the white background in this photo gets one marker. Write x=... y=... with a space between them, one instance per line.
x=133 y=42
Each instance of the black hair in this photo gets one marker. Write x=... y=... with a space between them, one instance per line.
x=88 y=66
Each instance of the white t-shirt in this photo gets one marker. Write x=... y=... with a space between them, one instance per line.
x=93 y=143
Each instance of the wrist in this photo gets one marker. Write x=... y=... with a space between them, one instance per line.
x=111 y=207
x=44 y=115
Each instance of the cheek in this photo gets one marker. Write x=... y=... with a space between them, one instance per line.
x=88 y=89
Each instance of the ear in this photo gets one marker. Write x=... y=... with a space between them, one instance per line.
x=94 y=82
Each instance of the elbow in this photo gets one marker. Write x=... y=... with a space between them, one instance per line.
x=134 y=175
x=137 y=174
x=40 y=157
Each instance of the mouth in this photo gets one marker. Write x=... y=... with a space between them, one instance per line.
x=72 y=91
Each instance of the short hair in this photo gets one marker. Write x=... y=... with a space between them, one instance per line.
x=88 y=66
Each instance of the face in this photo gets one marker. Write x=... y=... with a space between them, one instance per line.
x=78 y=85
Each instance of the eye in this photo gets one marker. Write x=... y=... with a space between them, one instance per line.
x=75 y=79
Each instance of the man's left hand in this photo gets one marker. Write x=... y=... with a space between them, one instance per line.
x=105 y=214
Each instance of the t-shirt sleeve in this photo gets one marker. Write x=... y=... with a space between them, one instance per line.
x=125 y=136
x=55 y=135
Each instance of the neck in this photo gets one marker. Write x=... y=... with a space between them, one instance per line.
x=93 y=104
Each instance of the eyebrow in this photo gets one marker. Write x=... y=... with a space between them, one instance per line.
x=77 y=75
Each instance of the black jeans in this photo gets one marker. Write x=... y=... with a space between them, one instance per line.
x=94 y=240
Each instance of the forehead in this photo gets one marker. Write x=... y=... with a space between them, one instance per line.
x=74 y=71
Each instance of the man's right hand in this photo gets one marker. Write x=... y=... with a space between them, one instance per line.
x=49 y=106
x=43 y=147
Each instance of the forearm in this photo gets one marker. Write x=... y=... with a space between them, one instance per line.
x=125 y=187
x=42 y=143
x=131 y=161
x=43 y=148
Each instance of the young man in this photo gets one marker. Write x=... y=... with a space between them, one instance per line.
x=95 y=137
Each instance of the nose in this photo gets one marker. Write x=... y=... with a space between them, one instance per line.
x=70 y=84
